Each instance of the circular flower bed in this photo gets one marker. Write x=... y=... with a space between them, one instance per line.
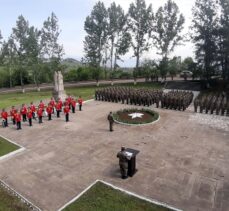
x=134 y=116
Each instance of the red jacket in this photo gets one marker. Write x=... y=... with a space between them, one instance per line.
x=80 y=101
x=30 y=114
x=58 y=106
x=24 y=110
x=61 y=103
x=42 y=106
x=12 y=113
x=66 y=109
x=69 y=100
x=73 y=103
x=49 y=109
x=18 y=117
x=40 y=112
x=33 y=108
x=52 y=103
x=4 y=115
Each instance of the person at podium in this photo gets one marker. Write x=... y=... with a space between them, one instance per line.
x=123 y=162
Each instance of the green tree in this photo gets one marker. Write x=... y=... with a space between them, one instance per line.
x=204 y=35
x=118 y=34
x=96 y=28
x=19 y=37
x=9 y=58
x=224 y=38
x=52 y=51
x=168 y=28
x=33 y=51
x=140 y=23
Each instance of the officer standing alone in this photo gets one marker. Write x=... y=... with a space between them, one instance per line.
x=111 y=121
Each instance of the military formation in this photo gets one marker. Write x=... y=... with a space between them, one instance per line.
x=212 y=103
x=177 y=100
x=141 y=97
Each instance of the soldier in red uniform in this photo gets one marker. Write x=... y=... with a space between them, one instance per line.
x=24 y=112
x=66 y=111
x=61 y=103
x=69 y=101
x=12 y=114
x=80 y=102
x=33 y=109
x=52 y=103
x=4 y=116
x=73 y=105
x=40 y=114
x=49 y=111
x=30 y=116
x=58 y=109
x=42 y=106
x=18 y=120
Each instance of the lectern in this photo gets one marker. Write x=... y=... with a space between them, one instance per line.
x=132 y=162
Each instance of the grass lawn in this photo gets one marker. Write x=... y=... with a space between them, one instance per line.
x=16 y=99
x=103 y=198
x=9 y=202
x=6 y=147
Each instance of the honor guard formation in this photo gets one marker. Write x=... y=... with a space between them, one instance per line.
x=179 y=100
x=145 y=97
x=32 y=112
x=212 y=103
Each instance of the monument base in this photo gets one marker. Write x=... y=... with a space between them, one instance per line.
x=61 y=94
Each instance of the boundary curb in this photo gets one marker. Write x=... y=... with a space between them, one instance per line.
x=153 y=201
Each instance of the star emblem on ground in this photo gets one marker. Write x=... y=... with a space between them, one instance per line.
x=136 y=115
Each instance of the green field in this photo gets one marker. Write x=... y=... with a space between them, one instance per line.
x=8 y=202
x=103 y=198
x=16 y=99
x=6 y=147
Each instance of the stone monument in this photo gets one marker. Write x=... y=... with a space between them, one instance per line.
x=58 y=91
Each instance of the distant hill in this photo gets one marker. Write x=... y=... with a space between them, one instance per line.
x=71 y=63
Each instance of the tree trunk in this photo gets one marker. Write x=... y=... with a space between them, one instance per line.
x=11 y=83
x=22 y=83
x=112 y=52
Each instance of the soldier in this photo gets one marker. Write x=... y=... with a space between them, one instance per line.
x=30 y=116
x=123 y=162
x=66 y=111
x=33 y=109
x=73 y=105
x=49 y=111
x=111 y=121
x=4 y=116
x=24 y=112
x=40 y=114
x=18 y=120
x=80 y=102
x=12 y=114
x=42 y=106
x=58 y=108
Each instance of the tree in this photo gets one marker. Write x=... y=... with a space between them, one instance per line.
x=51 y=49
x=140 y=23
x=174 y=66
x=96 y=28
x=224 y=38
x=9 y=58
x=19 y=37
x=118 y=34
x=204 y=35
x=33 y=51
x=168 y=27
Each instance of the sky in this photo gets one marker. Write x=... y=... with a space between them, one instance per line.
x=72 y=14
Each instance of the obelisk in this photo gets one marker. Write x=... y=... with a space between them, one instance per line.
x=58 y=91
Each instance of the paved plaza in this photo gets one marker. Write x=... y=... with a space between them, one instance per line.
x=183 y=159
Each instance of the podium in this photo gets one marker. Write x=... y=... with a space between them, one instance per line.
x=132 y=162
